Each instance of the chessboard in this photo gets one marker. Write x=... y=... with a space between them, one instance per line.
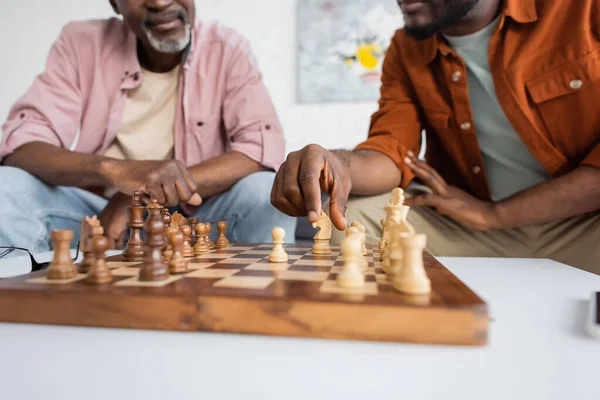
x=237 y=290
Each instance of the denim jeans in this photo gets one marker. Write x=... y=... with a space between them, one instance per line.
x=31 y=209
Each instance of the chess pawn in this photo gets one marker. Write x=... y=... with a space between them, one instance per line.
x=354 y=234
x=278 y=255
x=134 y=251
x=168 y=252
x=62 y=267
x=188 y=250
x=99 y=273
x=351 y=276
x=363 y=236
x=154 y=268
x=412 y=278
x=222 y=241
x=211 y=244
x=203 y=245
x=177 y=264
x=382 y=241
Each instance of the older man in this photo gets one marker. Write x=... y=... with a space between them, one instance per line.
x=153 y=102
x=507 y=92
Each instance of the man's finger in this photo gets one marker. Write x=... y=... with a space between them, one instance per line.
x=171 y=197
x=183 y=190
x=278 y=198
x=429 y=200
x=338 y=202
x=428 y=175
x=309 y=179
x=291 y=187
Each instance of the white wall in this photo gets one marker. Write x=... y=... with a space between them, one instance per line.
x=28 y=28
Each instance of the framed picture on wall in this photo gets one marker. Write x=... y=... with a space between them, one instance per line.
x=340 y=48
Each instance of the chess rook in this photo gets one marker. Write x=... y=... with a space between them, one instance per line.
x=134 y=251
x=99 y=273
x=278 y=255
x=62 y=267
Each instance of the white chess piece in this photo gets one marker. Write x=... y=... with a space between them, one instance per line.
x=363 y=236
x=354 y=233
x=412 y=278
x=321 y=245
x=278 y=255
x=351 y=276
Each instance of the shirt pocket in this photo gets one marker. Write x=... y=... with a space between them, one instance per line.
x=567 y=100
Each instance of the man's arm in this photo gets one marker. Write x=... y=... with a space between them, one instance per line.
x=572 y=194
x=299 y=182
x=169 y=182
x=219 y=174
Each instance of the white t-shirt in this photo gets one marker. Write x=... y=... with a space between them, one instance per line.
x=509 y=164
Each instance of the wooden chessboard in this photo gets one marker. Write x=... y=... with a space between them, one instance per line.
x=237 y=290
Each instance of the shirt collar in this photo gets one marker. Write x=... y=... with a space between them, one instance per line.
x=522 y=11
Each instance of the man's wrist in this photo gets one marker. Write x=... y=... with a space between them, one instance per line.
x=496 y=219
x=107 y=169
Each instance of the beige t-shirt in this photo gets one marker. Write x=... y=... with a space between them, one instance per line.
x=148 y=119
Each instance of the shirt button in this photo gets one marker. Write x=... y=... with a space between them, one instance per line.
x=456 y=76
x=200 y=123
x=476 y=170
x=465 y=126
x=576 y=84
x=268 y=127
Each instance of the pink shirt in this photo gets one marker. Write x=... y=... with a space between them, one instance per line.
x=78 y=101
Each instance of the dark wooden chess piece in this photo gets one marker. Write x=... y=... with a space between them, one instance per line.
x=154 y=267
x=192 y=222
x=134 y=251
x=166 y=216
x=222 y=241
x=90 y=227
x=62 y=266
x=202 y=247
x=177 y=264
x=99 y=273
x=188 y=250
x=168 y=251
x=211 y=244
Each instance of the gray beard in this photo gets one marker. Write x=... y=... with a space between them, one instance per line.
x=169 y=46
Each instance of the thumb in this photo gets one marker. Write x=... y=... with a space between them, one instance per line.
x=195 y=200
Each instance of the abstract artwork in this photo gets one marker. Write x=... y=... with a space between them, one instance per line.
x=341 y=47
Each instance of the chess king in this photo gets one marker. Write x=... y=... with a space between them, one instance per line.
x=506 y=92
x=106 y=118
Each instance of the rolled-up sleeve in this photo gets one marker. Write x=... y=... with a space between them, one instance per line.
x=51 y=108
x=396 y=127
x=251 y=122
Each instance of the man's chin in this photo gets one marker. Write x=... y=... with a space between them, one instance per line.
x=421 y=32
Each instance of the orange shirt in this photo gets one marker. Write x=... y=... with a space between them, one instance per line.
x=545 y=61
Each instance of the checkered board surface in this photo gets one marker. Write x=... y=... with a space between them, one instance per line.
x=224 y=287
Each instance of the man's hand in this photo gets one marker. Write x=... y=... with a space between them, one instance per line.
x=169 y=182
x=450 y=200
x=302 y=177
x=114 y=220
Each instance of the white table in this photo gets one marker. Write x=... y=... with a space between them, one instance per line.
x=538 y=350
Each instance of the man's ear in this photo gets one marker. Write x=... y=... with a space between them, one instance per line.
x=115 y=7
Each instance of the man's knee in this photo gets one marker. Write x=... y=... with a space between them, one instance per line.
x=14 y=180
